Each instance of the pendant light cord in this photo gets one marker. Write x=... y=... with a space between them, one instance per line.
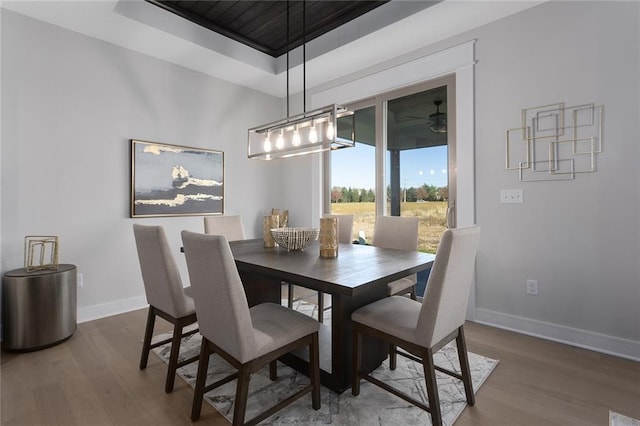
x=288 y=115
x=304 y=57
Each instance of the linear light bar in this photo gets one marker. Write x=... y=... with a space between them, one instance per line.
x=306 y=133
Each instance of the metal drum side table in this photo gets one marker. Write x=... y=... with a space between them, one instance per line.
x=38 y=307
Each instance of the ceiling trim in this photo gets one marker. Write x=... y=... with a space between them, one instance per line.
x=356 y=46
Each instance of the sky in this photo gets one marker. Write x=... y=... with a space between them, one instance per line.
x=354 y=167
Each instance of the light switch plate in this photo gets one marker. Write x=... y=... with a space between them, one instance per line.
x=511 y=196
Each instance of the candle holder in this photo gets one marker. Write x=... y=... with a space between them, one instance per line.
x=329 y=237
x=270 y=222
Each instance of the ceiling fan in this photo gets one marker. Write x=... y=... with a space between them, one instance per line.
x=438 y=120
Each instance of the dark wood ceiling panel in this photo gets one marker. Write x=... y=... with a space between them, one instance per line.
x=262 y=25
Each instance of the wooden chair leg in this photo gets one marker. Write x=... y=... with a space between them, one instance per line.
x=432 y=388
x=320 y=306
x=464 y=366
x=356 y=364
x=393 y=357
x=242 y=394
x=198 y=393
x=148 y=334
x=314 y=371
x=173 y=357
x=290 y=296
x=413 y=293
x=273 y=370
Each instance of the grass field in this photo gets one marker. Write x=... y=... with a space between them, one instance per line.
x=432 y=216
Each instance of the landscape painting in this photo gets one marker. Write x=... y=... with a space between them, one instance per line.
x=173 y=180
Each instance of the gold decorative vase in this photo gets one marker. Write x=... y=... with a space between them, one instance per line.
x=328 y=237
x=270 y=222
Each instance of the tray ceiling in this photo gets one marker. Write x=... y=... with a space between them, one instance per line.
x=262 y=25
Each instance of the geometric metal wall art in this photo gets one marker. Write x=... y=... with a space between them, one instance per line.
x=555 y=142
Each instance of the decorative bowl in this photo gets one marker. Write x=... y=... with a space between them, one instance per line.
x=294 y=238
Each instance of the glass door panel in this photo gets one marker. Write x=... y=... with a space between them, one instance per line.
x=416 y=158
x=353 y=173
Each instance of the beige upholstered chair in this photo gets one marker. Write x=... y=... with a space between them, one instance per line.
x=248 y=339
x=345 y=233
x=422 y=329
x=345 y=227
x=400 y=233
x=229 y=226
x=165 y=295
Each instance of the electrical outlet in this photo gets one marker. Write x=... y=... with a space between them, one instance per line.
x=532 y=287
x=511 y=196
x=80 y=280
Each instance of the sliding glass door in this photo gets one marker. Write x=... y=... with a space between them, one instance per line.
x=403 y=163
x=418 y=164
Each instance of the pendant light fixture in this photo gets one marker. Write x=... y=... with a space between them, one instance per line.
x=306 y=133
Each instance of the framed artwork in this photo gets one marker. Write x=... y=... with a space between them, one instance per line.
x=174 y=180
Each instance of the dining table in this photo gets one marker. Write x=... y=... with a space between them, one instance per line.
x=357 y=276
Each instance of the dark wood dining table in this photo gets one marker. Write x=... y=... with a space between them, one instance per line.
x=356 y=277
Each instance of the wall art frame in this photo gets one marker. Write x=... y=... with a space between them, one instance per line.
x=175 y=180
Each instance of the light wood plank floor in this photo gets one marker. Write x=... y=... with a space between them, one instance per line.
x=93 y=379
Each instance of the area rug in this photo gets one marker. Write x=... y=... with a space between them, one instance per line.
x=373 y=405
x=617 y=419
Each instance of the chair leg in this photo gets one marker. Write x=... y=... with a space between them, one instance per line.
x=290 y=296
x=314 y=371
x=464 y=366
x=273 y=370
x=320 y=306
x=198 y=393
x=173 y=357
x=412 y=293
x=356 y=364
x=148 y=334
x=393 y=357
x=242 y=394
x=432 y=388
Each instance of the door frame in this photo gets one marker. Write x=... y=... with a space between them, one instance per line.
x=409 y=70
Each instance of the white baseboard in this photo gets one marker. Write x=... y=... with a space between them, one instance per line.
x=617 y=346
x=94 y=312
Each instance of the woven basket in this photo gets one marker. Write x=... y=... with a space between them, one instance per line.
x=294 y=238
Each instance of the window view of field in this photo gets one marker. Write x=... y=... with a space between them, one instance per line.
x=432 y=217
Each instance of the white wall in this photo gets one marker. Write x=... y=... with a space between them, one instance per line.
x=580 y=239
x=70 y=104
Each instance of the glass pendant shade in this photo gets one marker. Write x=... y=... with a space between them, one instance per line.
x=295 y=140
x=304 y=134
x=267 y=143
x=313 y=134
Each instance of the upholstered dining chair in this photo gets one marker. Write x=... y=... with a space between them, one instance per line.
x=229 y=226
x=165 y=295
x=345 y=233
x=400 y=233
x=345 y=227
x=423 y=328
x=247 y=338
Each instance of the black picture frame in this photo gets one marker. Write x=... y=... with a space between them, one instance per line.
x=175 y=180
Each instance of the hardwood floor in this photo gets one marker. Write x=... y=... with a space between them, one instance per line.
x=93 y=379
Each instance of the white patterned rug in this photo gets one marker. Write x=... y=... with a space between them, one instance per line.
x=617 y=419
x=373 y=405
